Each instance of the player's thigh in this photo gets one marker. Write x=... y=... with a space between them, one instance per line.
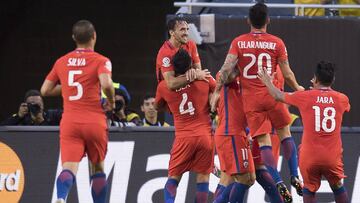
x=334 y=172
x=181 y=155
x=310 y=172
x=72 y=146
x=279 y=116
x=235 y=154
x=258 y=123
x=203 y=159
x=96 y=137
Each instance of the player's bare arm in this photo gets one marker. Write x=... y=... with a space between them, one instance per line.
x=50 y=88
x=108 y=88
x=174 y=83
x=289 y=75
x=226 y=71
x=264 y=76
x=197 y=66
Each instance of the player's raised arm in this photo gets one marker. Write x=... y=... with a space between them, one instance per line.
x=289 y=76
x=226 y=72
x=107 y=87
x=264 y=76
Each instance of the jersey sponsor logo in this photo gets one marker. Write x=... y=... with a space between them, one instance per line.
x=76 y=62
x=108 y=65
x=166 y=62
x=256 y=45
x=11 y=175
x=324 y=100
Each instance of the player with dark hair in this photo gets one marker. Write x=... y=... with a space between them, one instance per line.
x=232 y=146
x=322 y=109
x=178 y=38
x=193 y=148
x=83 y=129
x=252 y=51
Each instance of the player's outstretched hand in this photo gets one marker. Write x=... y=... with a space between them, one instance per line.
x=214 y=100
x=202 y=74
x=190 y=75
x=301 y=88
x=264 y=76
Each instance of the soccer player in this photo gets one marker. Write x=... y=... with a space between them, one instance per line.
x=252 y=51
x=83 y=128
x=193 y=147
x=178 y=32
x=321 y=109
x=232 y=146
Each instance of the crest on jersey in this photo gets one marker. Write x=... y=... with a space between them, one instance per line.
x=108 y=65
x=246 y=164
x=166 y=62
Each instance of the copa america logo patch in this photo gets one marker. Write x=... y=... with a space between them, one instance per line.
x=166 y=62
x=246 y=164
x=108 y=65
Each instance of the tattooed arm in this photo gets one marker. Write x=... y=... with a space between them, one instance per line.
x=289 y=76
x=227 y=73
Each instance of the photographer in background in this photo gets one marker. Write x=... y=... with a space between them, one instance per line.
x=121 y=115
x=31 y=112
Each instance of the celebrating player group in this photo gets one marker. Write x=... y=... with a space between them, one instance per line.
x=244 y=95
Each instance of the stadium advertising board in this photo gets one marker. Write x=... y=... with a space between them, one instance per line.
x=136 y=166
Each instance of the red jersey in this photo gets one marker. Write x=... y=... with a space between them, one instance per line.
x=166 y=53
x=256 y=50
x=189 y=106
x=321 y=111
x=78 y=73
x=232 y=120
x=278 y=79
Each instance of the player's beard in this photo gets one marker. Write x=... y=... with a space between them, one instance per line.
x=182 y=39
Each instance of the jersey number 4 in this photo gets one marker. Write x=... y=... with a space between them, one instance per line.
x=259 y=60
x=329 y=115
x=72 y=83
x=190 y=110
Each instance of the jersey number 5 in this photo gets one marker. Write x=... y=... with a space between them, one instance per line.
x=259 y=64
x=190 y=109
x=329 y=115
x=72 y=83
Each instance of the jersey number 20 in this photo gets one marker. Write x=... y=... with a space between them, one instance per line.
x=329 y=115
x=190 y=109
x=259 y=64
x=72 y=83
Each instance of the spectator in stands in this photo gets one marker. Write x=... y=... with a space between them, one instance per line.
x=150 y=113
x=122 y=115
x=349 y=11
x=31 y=112
x=313 y=11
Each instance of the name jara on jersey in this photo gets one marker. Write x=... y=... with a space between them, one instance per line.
x=76 y=62
x=324 y=100
x=182 y=88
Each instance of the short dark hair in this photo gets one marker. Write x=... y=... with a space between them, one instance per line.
x=325 y=73
x=83 y=31
x=172 y=22
x=258 y=15
x=31 y=93
x=181 y=62
x=146 y=97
